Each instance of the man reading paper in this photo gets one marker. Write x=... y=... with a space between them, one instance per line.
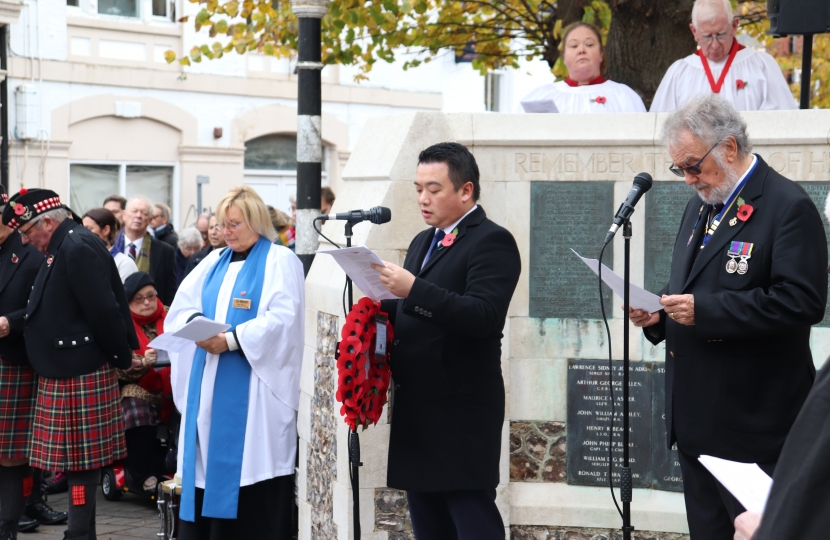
x=748 y=279
x=455 y=287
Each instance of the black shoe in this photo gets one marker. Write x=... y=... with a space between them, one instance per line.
x=27 y=524
x=44 y=514
x=58 y=484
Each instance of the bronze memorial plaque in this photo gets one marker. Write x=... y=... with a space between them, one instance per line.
x=664 y=462
x=565 y=216
x=665 y=203
x=590 y=422
x=818 y=193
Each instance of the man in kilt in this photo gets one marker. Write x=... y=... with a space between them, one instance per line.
x=77 y=329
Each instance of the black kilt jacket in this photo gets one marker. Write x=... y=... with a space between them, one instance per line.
x=78 y=317
x=19 y=265
x=448 y=409
x=736 y=380
x=163 y=270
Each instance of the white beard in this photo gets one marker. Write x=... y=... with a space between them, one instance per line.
x=720 y=193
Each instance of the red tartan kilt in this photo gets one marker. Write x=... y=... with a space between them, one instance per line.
x=18 y=390
x=78 y=423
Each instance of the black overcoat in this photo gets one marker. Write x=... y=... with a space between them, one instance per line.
x=19 y=265
x=448 y=409
x=736 y=380
x=163 y=269
x=78 y=317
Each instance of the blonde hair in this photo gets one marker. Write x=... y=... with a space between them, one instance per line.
x=253 y=210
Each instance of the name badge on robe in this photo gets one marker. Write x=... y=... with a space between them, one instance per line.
x=241 y=303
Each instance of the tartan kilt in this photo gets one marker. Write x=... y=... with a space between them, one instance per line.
x=18 y=391
x=78 y=424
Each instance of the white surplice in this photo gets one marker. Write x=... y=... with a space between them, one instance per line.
x=766 y=89
x=272 y=342
x=583 y=99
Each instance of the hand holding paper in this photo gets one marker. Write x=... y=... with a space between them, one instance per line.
x=357 y=262
x=199 y=329
x=639 y=298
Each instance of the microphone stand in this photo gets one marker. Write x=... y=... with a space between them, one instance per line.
x=625 y=483
x=354 y=440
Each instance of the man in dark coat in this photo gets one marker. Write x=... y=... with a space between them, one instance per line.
x=19 y=265
x=748 y=279
x=150 y=254
x=77 y=329
x=448 y=411
x=162 y=228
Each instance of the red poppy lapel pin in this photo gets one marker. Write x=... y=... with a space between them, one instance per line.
x=741 y=84
x=15 y=259
x=744 y=210
x=601 y=100
x=449 y=239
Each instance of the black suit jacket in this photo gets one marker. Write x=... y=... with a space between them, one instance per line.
x=19 y=265
x=194 y=260
x=163 y=269
x=78 y=317
x=736 y=380
x=448 y=409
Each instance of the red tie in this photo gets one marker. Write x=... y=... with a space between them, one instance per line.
x=132 y=251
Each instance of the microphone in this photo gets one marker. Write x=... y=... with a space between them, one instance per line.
x=642 y=183
x=377 y=215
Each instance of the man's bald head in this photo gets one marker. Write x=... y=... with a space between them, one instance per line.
x=202 y=224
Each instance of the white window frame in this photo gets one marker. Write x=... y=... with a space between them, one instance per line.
x=122 y=179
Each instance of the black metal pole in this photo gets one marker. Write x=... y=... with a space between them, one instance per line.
x=309 y=139
x=806 y=69
x=354 y=439
x=625 y=480
x=4 y=110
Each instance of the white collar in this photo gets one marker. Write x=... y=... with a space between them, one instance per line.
x=137 y=244
x=448 y=230
x=741 y=179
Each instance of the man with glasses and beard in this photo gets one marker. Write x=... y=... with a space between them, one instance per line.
x=748 y=279
x=748 y=78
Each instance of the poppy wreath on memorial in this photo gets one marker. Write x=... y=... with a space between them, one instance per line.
x=362 y=376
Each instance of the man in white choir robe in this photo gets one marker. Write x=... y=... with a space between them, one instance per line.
x=270 y=343
x=750 y=79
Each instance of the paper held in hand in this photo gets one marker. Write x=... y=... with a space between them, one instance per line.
x=639 y=298
x=746 y=481
x=357 y=262
x=199 y=329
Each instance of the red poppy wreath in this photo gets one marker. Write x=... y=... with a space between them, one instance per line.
x=362 y=376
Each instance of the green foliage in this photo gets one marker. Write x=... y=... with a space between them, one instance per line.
x=361 y=32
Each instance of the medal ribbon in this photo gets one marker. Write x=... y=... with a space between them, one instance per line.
x=717 y=86
x=744 y=249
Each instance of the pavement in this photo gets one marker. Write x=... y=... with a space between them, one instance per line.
x=129 y=518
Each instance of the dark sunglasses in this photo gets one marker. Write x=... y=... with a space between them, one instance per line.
x=694 y=170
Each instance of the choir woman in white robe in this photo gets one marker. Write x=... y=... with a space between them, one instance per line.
x=750 y=79
x=585 y=90
x=239 y=391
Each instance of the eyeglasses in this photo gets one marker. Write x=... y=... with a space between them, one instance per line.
x=694 y=170
x=25 y=233
x=723 y=39
x=141 y=299
x=229 y=225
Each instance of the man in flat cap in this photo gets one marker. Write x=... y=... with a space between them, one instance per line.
x=77 y=329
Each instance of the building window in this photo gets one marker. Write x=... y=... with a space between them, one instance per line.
x=74 y=3
x=492 y=91
x=124 y=8
x=91 y=183
x=163 y=8
x=271 y=169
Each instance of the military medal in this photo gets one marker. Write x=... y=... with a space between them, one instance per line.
x=742 y=250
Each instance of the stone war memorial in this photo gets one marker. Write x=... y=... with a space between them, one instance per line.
x=555 y=181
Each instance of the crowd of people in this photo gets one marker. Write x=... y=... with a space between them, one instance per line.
x=82 y=298
x=748 y=78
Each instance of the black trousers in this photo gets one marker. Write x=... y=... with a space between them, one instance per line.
x=265 y=510
x=455 y=515
x=710 y=508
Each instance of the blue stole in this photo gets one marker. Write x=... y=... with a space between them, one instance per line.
x=223 y=469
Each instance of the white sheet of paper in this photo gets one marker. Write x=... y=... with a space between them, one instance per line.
x=639 y=298
x=199 y=329
x=541 y=106
x=746 y=481
x=357 y=262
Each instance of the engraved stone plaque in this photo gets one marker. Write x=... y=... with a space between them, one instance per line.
x=818 y=193
x=665 y=202
x=666 y=473
x=565 y=216
x=590 y=422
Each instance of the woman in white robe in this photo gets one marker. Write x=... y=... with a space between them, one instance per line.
x=584 y=90
x=270 y=345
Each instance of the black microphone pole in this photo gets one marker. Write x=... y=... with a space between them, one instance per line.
x=625 y=481
x=354 y=440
